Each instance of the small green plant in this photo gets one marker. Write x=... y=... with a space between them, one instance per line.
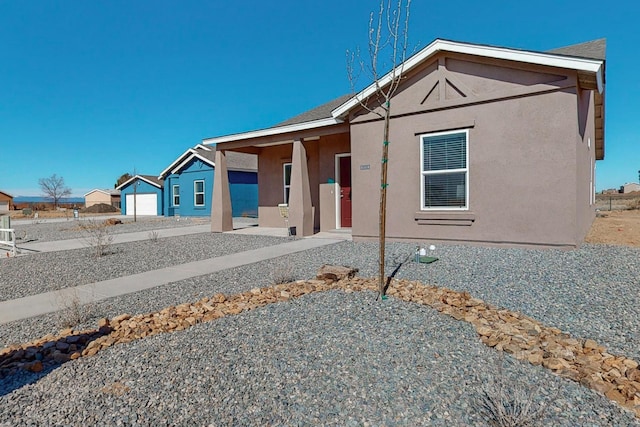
x=97 y=236
x=153 y=235
x=504 y=402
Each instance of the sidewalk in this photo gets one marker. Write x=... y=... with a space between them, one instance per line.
x=48 y=302
x=65 y=245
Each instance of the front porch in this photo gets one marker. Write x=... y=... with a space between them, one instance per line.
x=311 y=175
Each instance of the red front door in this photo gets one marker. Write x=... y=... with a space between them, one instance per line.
x=345 y=191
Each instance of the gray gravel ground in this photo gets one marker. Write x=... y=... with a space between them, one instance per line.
x=46 y=231
x=48 y=271
x=336 y=358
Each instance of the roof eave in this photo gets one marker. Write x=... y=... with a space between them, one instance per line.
x=188 y=159
x=273 y=131
x=163 y=174
x=142 y=178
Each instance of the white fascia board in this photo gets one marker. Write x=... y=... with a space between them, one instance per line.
x=188 y=159
x=600 y=81
x=273 y=131
x=127 y=182
x=204 y=147
x=176 y=161
x=141 y=178
x=547 y=59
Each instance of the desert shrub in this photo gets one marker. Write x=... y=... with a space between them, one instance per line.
x=71 y=311
x=506 y=402
x=282 y=272
x=97 y=236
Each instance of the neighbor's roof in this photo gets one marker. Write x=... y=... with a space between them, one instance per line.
x=150 y=179
x=6 y=194
x=109 y=191
x=321 y=112
x=595 y=49
x=586 y=58
x=236 y=161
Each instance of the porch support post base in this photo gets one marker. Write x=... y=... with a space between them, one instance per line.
x=221 y=216
x=300 y=210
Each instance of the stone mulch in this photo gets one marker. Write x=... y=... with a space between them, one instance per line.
x=581 y=360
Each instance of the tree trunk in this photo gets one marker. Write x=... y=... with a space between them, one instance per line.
x=383 y=199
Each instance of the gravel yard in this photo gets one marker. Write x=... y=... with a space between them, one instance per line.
x=335 y=358
x=50 y=230
x=48 y=271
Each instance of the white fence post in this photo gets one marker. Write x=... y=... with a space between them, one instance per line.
x=8 y=238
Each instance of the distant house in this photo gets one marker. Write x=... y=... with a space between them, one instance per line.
x=480 y=137
x=610 y=191
x=188 y=183
x=142 y=193
x=630 y=187
x=107 y=197
x=6 y=201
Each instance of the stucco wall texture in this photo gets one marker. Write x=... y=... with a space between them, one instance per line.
x=529 y=166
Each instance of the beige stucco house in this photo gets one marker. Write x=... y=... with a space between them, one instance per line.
x=488 y=145
x=97 y=196
x=6 y=200
x=630 y=187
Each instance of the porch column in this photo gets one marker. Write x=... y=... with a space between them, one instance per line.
x=221 y=217
x=300 y=211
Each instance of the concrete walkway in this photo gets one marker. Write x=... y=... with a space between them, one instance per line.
x=50 y=302
x=65 y=245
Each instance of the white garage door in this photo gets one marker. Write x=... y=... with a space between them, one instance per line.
x=146 y=204
x=4 y=206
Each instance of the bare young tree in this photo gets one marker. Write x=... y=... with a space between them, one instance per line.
x=54 y=188
x=387 y=51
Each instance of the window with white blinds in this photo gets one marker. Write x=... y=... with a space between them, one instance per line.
x=445 y=173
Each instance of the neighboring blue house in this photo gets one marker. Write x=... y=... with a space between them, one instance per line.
x=188 y=183
x=147 y=191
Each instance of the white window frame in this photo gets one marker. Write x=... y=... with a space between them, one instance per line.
x=174 y=195
x=196 y=193
x=286 y=186
x=446 y=171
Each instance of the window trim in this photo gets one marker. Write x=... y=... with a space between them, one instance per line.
x=196 y=193
x=424 y=173
x=286 y=186
x=174 y=195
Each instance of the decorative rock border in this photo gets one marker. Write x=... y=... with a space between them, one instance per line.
x=584 y=361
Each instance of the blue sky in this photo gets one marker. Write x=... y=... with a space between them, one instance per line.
x=90 y=90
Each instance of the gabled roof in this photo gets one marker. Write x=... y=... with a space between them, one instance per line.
x=6 y=194
x=321 y=112
x=589 y=65
x=207 y=154
x=150 y=179
x=107 y=191
x=586 y=58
